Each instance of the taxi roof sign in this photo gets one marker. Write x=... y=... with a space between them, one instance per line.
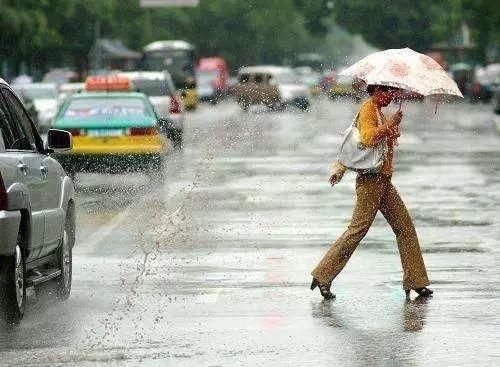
x=108 y=83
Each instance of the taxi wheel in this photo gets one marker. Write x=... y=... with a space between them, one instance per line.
x=244 y=104
x=303 y=104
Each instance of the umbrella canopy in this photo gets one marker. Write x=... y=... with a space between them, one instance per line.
x=406 y=69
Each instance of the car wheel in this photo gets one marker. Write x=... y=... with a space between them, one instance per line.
x=13 y=286
x=65 y=256
x=303 y=104
x=244 y=105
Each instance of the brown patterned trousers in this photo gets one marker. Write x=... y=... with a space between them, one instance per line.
x=374 y=193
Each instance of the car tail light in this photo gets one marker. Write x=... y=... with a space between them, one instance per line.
x=3 y=195
x=175 y=105
x=143 y=131
x=329 y=79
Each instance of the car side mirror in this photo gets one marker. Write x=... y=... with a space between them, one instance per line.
x=59 y=140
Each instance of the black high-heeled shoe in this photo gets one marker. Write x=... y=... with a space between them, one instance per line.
x=423 y=292
x=324 y=289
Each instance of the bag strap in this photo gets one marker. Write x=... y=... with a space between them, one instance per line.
x=355 y=121
x=379 y=117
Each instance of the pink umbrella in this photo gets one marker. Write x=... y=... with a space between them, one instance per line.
x=406 y=69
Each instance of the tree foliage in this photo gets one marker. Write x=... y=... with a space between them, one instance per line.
x=47 y=33
x=419 y=24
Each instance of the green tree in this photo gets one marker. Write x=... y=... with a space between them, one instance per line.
x=484 y=17
x=389 y=23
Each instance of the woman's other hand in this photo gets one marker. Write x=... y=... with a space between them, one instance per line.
x=335 y=178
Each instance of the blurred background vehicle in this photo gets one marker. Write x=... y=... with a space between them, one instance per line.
x=314 y=61
x=485 y=83
x=326 y=82
x=212 y=79
x=67 y=89
x=60 y=76
x=179 y=58
x=496 y=109
x=306 y=75
x=233 y=81
x=165 y=98
x=345 y=86
x=273 y=86
x=114 y=130
x=463 y=74
x=43 y=97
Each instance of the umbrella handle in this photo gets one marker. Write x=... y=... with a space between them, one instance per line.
x=437 y=101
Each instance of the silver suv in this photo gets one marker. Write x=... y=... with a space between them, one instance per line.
x=37 y=215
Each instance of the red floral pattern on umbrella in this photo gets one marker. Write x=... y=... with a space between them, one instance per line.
x=364 y=70
x=398 y=68
x=430 y=63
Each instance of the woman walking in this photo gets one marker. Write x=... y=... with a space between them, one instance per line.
x=374 y=192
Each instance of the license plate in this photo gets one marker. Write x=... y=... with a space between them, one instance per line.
x=105 y=132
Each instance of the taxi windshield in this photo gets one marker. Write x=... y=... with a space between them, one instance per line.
x=107 y=107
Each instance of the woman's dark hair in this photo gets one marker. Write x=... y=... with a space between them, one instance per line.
x=373 y=87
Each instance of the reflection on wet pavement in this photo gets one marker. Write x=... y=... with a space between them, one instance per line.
x=212 y=268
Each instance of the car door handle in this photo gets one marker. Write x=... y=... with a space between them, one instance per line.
x=44 y=171
x=23 y=167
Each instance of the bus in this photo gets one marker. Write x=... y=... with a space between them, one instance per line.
x=179 y=58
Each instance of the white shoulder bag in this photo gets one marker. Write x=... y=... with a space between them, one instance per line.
x=358 y=157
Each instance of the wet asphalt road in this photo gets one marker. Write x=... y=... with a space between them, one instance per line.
x=212 y=268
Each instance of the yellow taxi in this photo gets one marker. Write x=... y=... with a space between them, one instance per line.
x=114 y=129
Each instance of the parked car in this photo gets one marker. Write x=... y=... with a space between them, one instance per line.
x=114 y=130
x=272 y=86
x=43 y=96
x=37 y=209
x=212 y=74
x=167 y=101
